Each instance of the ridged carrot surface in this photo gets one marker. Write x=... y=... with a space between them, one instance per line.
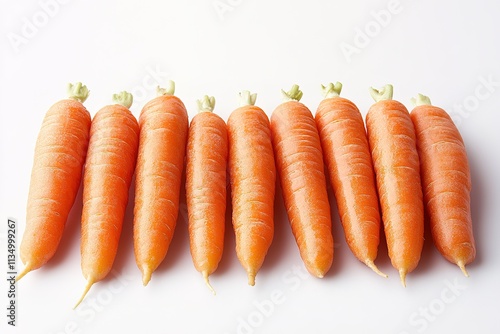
x=446 y=182
x=347 y=155
x=206 y=166
x=163 y=133
x=111 y=159
x=299 y=162
x=58 y=161
x=253 y=177
x=394 y=152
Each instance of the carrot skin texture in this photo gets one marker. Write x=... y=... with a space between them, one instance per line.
x=299 y=162
x=393 y=146
x=59 y=157
x=253 y=179
x=114 y=139
x=446 y=182
x=347 y=155
x=163 y=133
x=206 y=165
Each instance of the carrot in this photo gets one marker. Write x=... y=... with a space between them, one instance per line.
x=206 y=164
x=393 y=146
x=347 y=156
x=446 y=182
x=59 y=156
x=253 y=179
x=299 y=162
x=163 y=131
x=112 y=153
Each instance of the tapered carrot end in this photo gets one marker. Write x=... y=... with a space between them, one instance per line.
x=26 y=270
x=207 y=282
x=90 y=282
x=461 y=265
x=373 y=267
x=251 y=277
x=402 y=275
x=146 y=275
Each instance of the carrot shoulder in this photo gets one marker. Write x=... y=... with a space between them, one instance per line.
x=59 y=156
x=112 y=153
x=446 y=182
x=299 y=162
x=393 y=146
x=253 y=177
x=163 y=132
x=348 y=159
x=206 y=165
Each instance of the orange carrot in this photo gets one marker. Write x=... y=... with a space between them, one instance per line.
x=207 y=152
x=253 y=179
x=347 y=156
x=163 y=132
x=446 y=182
x=394 y=152
x=55 y=178
x=112 y=153
x=299 y=162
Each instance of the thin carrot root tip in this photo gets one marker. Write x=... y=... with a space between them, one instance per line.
x=26 y=270
x=207 y=282
x=146 y=276
x=251 y=278
x=331 y=90
x=207 y=103
x=247 y=98
x=402 y=276
x=294 y=94
x=420 y=100
x=168 y=90
x=77 y=91
x=123 y=98
x=90 y=282
x=373 y=267
x=461 y=265
x=384 y=93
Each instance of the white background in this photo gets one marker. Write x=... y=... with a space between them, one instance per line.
x=448 y=50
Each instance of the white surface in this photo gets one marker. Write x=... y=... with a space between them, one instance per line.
x=444 y=49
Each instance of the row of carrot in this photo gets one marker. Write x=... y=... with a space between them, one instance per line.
x=385 y=174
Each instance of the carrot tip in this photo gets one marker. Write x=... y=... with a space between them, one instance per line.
x=373 y=267
x=251 y=278
x=207 y=282
x=26 y=270
x=90 y=282
x=461 y=265
x=402 y=275
x=146 y=276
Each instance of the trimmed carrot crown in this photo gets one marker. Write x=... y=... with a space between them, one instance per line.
x=384 y=93
x=207 y=103
x=77 y=91
x=294 y=94
x=246 y=98
x=420 y=100
x=123 y=98
x=331 y=90
x=168 y=90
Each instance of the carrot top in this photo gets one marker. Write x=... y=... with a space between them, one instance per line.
x=123 y=98
x=384 y=93
x=207 y=103
x=169 y=90
x=77 y=91
x=420 y=100
x=247 y=98
x=294 y=94
x=331 y=90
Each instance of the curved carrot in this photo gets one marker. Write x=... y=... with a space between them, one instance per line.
x=446 y=182
x=299 y=162
x=206 y=164
x=347 y=156
x=114 y=138
x=163 y=132
x=55 y=178
x=253 y=179
x=394 y=152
